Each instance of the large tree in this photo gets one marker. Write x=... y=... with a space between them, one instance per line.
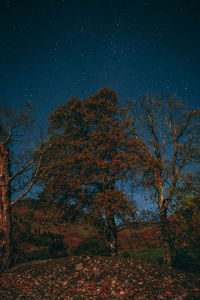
x=86 y=167
x=170 y=134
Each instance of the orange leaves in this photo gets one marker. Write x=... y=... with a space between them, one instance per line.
x=92 y=160
x=109 y=201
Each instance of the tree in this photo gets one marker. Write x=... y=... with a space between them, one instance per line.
x=85 y=167
x=15 y=126
x=186 y=211
x=170 y=134
x=10 y=122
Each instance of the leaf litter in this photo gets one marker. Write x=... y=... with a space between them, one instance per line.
x=98 y=278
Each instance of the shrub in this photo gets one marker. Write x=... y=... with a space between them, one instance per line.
x=126 y=254
x=57 y=245
x=92 y=246
x=187 y=261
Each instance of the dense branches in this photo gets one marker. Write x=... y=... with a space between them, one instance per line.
x=86 y=166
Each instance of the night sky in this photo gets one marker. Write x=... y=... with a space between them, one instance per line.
x=53 y=50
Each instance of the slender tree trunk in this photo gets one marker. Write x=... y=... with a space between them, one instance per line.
x=5 y=212
x=112 y=234
x=169 y=252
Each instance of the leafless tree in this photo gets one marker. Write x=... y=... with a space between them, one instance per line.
x=15 y=126
x=170 y=134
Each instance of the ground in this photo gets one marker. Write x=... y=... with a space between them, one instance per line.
x=84 y=277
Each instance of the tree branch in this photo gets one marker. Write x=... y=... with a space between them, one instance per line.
x=8 y=137
x=22 y=169
x=36 y=170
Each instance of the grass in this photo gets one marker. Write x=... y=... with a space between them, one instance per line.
x=153 y=256
x=186 y=260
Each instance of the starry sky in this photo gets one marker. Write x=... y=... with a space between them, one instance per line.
x=51 y=50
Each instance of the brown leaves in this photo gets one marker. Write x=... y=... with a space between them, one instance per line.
x=97 y=278
x=95 y=157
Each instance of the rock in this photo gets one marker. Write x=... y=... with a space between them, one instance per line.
x=79 y=267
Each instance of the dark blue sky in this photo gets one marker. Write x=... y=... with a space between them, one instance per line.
x=53 y=50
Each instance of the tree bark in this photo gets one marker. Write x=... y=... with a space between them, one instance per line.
x=5 y=213
x=112 y=234
x=169 y=252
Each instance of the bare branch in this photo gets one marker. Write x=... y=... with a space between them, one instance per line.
x=22 y=169
x=8 y=137
x=36 y=170
x=23 y=194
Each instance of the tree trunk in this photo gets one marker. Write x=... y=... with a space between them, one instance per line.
x=169 y=252
x=5 y=212
x=112 y=234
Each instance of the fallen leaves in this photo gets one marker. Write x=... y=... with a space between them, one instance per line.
x=96 y=278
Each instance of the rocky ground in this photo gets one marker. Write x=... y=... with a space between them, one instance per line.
x=96 y=278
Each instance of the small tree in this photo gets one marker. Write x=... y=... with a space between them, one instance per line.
x=170 y=134
x=186 y=212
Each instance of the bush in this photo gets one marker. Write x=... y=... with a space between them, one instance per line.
x=187 y=261
x=35 y=254
x=92 y=246
x=126 y=254
x=57 y=247
x=39 y=254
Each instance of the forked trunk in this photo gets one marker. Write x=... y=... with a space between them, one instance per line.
x=169 y=252
x=5 y=214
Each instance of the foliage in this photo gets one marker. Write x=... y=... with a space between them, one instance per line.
x=93 y=246
x=31 y=237
x=34 y=247
x=187 y=260
x=186 y=209
x=92 y=148
x=126 y=254
x=91 y=152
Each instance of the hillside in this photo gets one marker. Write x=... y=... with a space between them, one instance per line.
x=48 y=232
x=40 y=225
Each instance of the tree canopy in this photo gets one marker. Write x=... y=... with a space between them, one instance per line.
x=93 y=150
